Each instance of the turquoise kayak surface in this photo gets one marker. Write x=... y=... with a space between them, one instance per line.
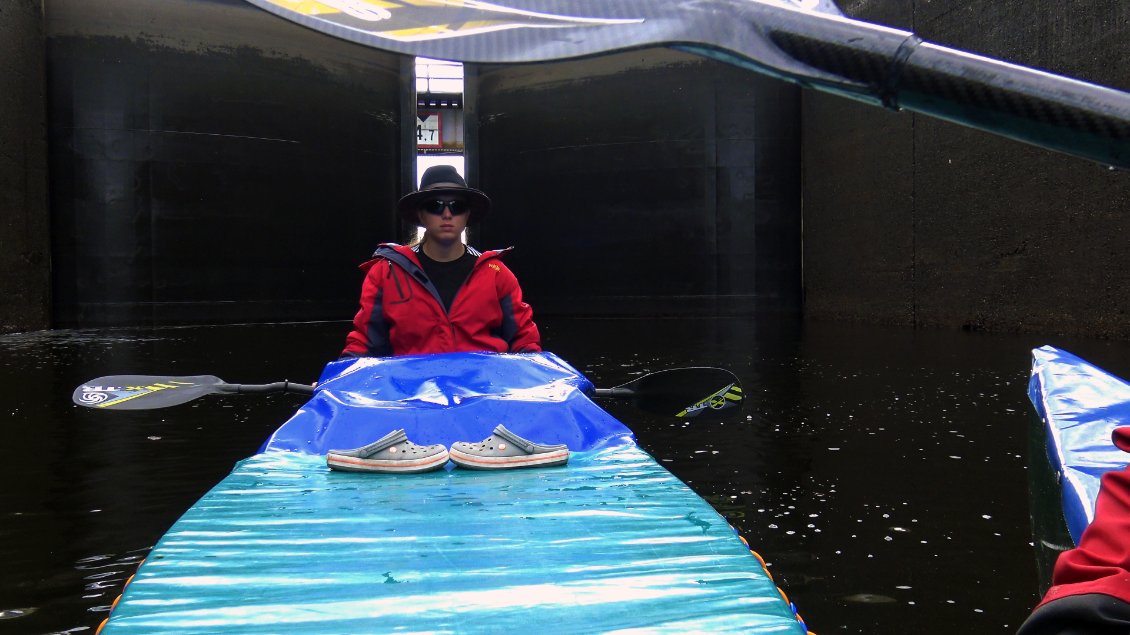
x=612 y=542
x=1080 y=405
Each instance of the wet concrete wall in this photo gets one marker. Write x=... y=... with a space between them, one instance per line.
x=25 y=291
x=649 y=182
x=213 y=163
x=914 y=221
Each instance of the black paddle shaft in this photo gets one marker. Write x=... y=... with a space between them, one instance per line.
x=679 y=392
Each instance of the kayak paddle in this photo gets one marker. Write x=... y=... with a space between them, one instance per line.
x=806 y=42
x=682 y=392
x=148 y=392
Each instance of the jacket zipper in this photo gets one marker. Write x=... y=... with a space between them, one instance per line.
x=396 y=281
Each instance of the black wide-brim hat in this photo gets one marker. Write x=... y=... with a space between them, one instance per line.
x=443 y=181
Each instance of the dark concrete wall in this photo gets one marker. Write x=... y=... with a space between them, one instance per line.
x=211 y=162
x=645 y=182
x=913 y=221
x=25 y=292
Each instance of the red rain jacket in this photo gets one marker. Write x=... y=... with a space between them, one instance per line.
x=401 y=313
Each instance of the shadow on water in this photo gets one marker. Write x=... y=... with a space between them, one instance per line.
x=881 y=473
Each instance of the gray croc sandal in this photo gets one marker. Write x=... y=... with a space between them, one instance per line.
x=504 y=450
x=391 y=454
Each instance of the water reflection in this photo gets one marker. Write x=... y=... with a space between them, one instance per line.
x=881 y=473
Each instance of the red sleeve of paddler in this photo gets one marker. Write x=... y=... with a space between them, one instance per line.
x=1090 y=590
x=369 y=336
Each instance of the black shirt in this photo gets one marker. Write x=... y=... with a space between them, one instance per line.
x=447 y=277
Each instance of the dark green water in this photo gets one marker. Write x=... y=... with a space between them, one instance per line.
x=882 y=473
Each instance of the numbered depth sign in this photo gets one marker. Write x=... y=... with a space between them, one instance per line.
x=428 y=130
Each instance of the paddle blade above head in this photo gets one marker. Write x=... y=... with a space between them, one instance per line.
x=526 y=31
x=699 y=392
x=144 y=392
x=808 y=42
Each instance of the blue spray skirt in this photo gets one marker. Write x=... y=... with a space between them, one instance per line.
x=448 y=398
x=1080 y=404
x=611 y=541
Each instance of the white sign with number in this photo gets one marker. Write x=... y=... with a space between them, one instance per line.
x=428 y=130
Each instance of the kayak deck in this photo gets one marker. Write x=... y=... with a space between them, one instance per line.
x=611 y=541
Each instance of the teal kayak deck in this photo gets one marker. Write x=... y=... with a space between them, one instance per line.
x=610 y=542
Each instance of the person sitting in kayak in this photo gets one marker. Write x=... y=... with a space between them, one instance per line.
x=440 y=295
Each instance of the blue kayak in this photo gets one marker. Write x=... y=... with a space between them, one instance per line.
x=1080 y=405
x=610 y=542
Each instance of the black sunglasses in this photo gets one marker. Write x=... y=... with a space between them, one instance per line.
x=435 y=206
